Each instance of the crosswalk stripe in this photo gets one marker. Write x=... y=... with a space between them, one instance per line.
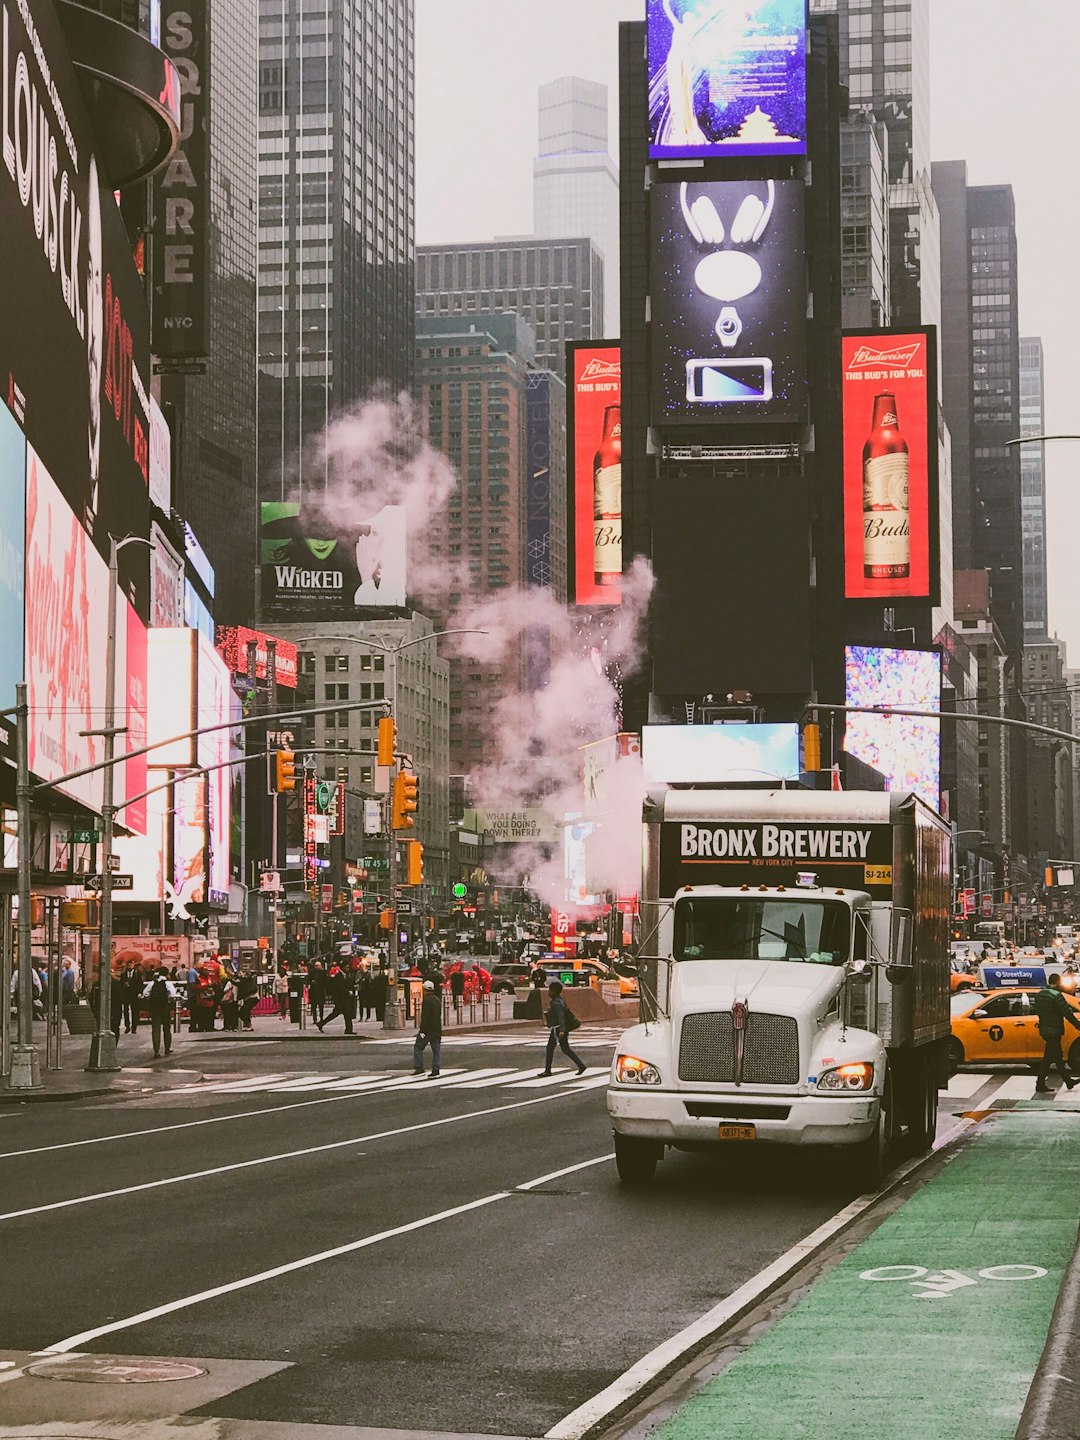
x=465 y=1078
x=226 y=1086
x=961 y=1087
x=1016 y=1087
x=539 y=1082
x=498 y=1077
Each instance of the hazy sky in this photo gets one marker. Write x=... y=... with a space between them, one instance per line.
x=1003 y=98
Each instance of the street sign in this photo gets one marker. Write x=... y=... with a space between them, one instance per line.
x=84 y=837
x=404 y=907
x=119 y=882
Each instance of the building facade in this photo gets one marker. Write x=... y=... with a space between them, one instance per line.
x=473 y=377
x=575 y=180
x=1033 y=487
x=556 y=286
x=336 y=173
x=389 y=663
x=1050 y=761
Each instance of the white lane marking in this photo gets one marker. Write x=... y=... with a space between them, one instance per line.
x=273 y=1159
x=656 y=1362
x=570 y=1170
x=962 y=1087
x=74 y=1341
x=1016 y=1087
x=210 y=1120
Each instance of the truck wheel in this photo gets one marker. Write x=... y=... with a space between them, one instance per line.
x=869 y=1156
x=635 y=1159
x=925 y=1110
x=956 y=1055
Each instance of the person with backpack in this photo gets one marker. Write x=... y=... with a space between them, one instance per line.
x=560 y=1021
x=160 y=997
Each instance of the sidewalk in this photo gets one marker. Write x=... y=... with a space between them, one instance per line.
x=934 y=1325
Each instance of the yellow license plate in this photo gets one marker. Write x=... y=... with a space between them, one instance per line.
x=737 y=1132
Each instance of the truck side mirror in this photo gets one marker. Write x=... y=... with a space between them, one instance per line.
x=899 y=974
x=860 y=970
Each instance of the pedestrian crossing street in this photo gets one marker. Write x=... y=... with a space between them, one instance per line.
x=588 y=1035
x=490 y=1078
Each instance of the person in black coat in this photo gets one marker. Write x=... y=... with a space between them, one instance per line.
x=365 y=994
x=247 y=990
x=430 y=1031
x=378 y=991
x=457 y=986
x=337 y=988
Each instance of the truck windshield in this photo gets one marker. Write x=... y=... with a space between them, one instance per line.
x=756 y=928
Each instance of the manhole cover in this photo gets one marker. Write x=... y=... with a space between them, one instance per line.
x=100 y=1370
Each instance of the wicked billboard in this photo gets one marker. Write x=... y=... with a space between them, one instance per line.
x=308 y=572
x=74 y=328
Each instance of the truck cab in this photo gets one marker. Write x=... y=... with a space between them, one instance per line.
x=806 y=1009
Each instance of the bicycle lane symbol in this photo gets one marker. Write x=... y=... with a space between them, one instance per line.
x=940 y=1284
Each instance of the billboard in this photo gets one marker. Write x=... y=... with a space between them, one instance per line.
x=890 y=465
x=720 y=754
x=214 y=751
x=233 y=642
x=74 y=327
x=594 y=441
x=12 y=555
x=727 y=78
x=166 y=582
x=182 y=196
x=903 y=748
x=728 y=301
x=308 y=574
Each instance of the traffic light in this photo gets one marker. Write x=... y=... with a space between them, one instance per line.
x=386 y=920
x=406 y=799
x=80 y=914
x=387 y=741
x=414 y=863
x=284 y=771
x=1049 y=876
x=811 y=747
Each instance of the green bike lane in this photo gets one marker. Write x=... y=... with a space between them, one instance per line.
x=933 y=1326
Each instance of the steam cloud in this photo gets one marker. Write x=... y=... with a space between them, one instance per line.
x=375 y=456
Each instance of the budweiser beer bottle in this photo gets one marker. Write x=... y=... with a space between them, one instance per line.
x=886 y=536
x=607 y=502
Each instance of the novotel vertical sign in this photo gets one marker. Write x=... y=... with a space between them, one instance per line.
x=182 y=194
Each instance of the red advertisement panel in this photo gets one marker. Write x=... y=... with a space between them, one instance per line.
x=890 y=465
x=135 y=782
x=594 y=433
x=233 y=640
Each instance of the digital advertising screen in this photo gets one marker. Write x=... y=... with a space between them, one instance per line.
x=74 y=323
x=12 y=555
x=594 y=438
x=308 y=574
x=214 y=750
x=727 y=78
x=728 y=301
x=890 y=465
x=719 y=754
x=903 y=748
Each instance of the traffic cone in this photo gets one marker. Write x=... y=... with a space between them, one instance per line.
x=836 y=785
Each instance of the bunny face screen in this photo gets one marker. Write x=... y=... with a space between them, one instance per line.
x=728 y=287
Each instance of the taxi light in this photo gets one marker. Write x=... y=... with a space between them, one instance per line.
x=845 y=1078
x=807 y=879
x=629 y=1070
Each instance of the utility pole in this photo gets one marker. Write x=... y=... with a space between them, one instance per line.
x=390 y=1014
x=25 y=1064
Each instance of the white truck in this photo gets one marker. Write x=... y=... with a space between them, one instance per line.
x=794 y=977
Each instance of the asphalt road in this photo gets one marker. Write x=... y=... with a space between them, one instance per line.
x=395 y=1251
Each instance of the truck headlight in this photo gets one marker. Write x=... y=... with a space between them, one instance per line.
x=845 y=1078
x=629 y=1070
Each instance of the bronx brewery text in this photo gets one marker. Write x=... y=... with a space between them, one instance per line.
x=786 y=842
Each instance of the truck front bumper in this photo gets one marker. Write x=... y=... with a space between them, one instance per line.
x=666 y=1116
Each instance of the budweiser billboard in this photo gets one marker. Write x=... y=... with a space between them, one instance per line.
x=890 y=465
x=594 y=438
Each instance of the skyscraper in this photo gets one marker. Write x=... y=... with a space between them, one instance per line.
x=1033 y=488
x=556 y=286
x=336 y=219
x=473 y=376
x=575 y=180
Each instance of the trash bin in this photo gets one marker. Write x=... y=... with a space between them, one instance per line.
x=296 y=998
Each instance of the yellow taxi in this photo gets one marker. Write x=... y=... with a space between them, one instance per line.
x=999 y=1027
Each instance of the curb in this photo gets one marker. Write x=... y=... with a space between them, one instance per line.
x=1050 y=1411
x=53 y=1097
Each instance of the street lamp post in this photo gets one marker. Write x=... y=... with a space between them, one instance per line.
x=390 y=1015
x=103 y=1043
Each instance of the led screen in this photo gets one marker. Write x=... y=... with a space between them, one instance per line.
x=727 y=78
x=728 y=301
x=594 y=435
x=906 y=750
x=890 y=465
x=719 y=754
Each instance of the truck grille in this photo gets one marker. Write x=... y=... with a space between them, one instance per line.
x=707 y=1050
